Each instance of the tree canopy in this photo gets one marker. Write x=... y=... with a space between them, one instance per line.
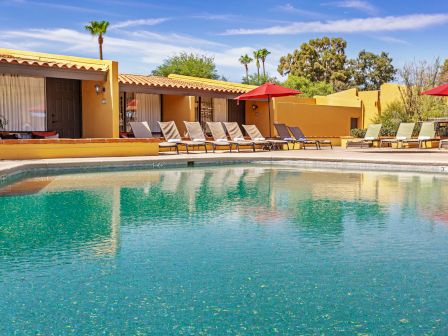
x=324 y=60
x=188 y=64
x=319 y=60
x=308 y=87
x=369 y=71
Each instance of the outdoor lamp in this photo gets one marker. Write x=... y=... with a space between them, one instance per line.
x=99 y=89
x=254 y=107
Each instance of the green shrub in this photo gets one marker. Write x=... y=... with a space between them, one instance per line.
x=358 y=132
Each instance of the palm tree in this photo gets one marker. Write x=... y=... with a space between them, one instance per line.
x=263 y=55
x=257 y=57
x=98 y=28
x=245 y=60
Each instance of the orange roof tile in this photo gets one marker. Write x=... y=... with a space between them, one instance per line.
x=184 y=83
x=41 y=62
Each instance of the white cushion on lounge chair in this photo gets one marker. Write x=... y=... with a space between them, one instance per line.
x=401 y=138
x=259 y=139
x=424 y=137
x=221 y=140
x=196 y=139
x=239 y=139
x=174 y=140
x=369 y=138
x=289 y=139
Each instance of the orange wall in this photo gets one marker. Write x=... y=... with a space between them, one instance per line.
x=179 y=109
x=100 y=112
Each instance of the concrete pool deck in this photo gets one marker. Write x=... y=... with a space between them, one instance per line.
x=418 y=160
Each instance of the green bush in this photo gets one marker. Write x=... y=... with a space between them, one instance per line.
x=358 y=132
x=392 y=116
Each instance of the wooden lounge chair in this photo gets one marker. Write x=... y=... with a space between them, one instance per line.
x=372 y=135
x=236 y=135
x=283 y=134
x=171 y=134
x=219 y=135
x=301 y=138
x=404 y=133
x=427 y=133
x=142 y=130
x=255 y=135
x=195 y=133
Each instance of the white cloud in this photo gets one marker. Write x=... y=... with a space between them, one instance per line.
x=137 y=52
x=392 y=40
x=376 y=24
x=288 y=8
x=361 y=5
x=140 y=22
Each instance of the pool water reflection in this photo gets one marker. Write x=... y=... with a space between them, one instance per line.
x=225 y=250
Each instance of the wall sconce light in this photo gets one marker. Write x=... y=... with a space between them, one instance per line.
x=99 y=89
x=254 y=107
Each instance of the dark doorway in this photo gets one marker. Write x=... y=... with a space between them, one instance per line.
x=64 y=107
x=236 y=111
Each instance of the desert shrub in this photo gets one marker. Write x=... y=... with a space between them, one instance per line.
x=358 y=132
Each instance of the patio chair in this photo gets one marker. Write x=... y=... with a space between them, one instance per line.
x=404 y=133
x=171 y=134
x=255 y=135
x=237 y=136
x=142 y=130
x=219 y=135
x=195 y=133
x=372 y=135
x=283 y=134
x=301 y=138
x=427 y=133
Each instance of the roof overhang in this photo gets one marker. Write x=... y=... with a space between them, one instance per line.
x=40 y=71
x=175 y=91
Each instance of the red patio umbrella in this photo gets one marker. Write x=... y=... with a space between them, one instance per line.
x=268 y=91
x=441 y=90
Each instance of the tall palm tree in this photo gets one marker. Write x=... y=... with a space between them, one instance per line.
x=98 y=28
x=245 y=60
x=263 y=55
x=257 y=57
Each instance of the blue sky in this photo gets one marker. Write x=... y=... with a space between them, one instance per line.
x=143 y=33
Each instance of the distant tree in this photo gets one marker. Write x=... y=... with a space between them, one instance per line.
x=245 y=60
x=308 y=87
x=319 y=60
x=418 y=77
x=369 y=71
x=188 y=65
x=257 y=57
x=443 y=76
x=264 y=53
x=98 y=28
x=256 y=79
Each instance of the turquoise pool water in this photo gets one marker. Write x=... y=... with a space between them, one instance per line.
x=238 y=250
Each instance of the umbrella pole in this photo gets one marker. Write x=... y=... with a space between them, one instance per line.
x=269 y=109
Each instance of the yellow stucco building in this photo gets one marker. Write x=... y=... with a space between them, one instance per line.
x=69 y=99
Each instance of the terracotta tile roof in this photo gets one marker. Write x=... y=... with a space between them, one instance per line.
x=184 y=82
x=52 y=63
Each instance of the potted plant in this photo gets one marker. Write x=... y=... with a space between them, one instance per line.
x=3 y=123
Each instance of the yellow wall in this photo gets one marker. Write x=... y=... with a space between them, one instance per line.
x=389 y=93
x=179 y=109
x=316 y=121
x=26 y=151
x=101 y=120
x=371 y=106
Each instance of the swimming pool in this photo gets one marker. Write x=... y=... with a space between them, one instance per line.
x=253 y=249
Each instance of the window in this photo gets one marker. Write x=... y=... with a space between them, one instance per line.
x=22 y=103
x=204 y=110
x=140 y=107
x=353 y=123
